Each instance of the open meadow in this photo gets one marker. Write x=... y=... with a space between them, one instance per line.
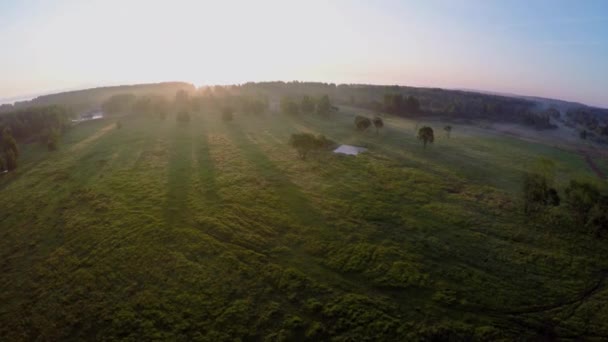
x=212 y=230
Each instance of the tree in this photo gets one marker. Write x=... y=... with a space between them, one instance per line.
x=583 y=134
x=52 y=140
x=183 y=117
x=426 y=135
x=412 y=105
x=378 y=123
x=307 y=142
x=448 y=130
x=580 y=197
x=307 y=105
x=362 y=123
x=537 y=193
x=393 y=103
x=324 y=106
x=597 y=218
x=303 y=143
x=120 y=103
x=10 y=160
x=288 y=106
x=227 y=113
x=8 y=142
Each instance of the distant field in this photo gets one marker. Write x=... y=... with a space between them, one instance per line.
x=217 y=231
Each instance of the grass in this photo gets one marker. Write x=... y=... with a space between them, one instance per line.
x=217 y=231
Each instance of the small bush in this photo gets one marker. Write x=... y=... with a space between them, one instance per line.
x=362 y=123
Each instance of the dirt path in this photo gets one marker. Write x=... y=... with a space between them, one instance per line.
x=81 y=144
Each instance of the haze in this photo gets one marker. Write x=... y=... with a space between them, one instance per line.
x=553 y=49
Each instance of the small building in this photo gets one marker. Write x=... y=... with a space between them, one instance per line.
x=350 y=150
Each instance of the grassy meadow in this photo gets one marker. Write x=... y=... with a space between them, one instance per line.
x=216 y=231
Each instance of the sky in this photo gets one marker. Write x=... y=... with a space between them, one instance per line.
x=548 y=48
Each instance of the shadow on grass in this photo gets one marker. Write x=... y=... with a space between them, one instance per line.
x=290 y=194
x=179 y=174
x=207 y=171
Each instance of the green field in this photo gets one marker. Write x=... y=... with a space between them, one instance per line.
x=217 y=231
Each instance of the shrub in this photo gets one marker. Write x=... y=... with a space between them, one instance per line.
x=362 y=123
x=52 y=142
x=581 y=197
x=537 y=193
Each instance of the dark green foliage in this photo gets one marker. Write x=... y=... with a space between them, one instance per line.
x=324 y=143
x=28 y=124
x=324 y=106
x=9 y=152
x=539 y=121
x=308 y=104
x=412 y=105
x=227 y=114
x=118 y=124
x=118 y=104
x=537 y=193
x=589 y=118
x=426 y=135
x=305 y=143
x=400 y=105
x=183 y=117
x=580 y=197
x=10 y=160
x=362 y=123
x=52 y=140
x=378 y=123
x=289 y=106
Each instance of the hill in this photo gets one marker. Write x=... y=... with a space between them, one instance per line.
x=213 y=230
x=87 y=99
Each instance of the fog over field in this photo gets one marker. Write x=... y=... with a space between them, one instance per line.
x=303 y=171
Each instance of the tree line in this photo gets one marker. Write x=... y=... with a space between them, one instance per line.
x=183 y=103
x=44 y=124
x=307 y=105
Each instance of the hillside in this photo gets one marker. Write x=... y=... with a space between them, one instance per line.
x=215 y=231
x=86 y=99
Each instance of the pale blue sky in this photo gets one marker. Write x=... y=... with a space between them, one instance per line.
x=548 y=48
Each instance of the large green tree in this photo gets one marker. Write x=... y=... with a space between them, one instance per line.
x=378 y=123
x=426 y=135
x=362 y=123
x=324 y=106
